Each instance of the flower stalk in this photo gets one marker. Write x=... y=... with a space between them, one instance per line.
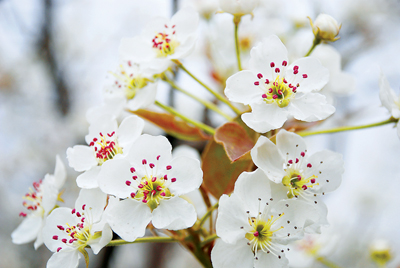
x=236 y=21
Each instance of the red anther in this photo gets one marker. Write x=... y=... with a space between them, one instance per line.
x=296 y=71
x=275 y=84
x=266 y=81
x=153 y=179
x=256 y=233
x=64 y=240
x=134 y=177
x=297 y=160
x=129 y=63
x=159 y=188
x=173 y=32
x=78 y=214
x=95 y=139
x=259 y=76
x=290 y=86
x=256 y=83
x=91 y=144
x=73 y=211
x=71 y=241
x=151 y=165
x=133 y=195
x=146 y=183
x=58 y=249
x=162 y=194
x=299 y=177
x=284 y=63
x=83 y=206
x=290 y=161
x=313 y=181
x=169 y=167
x=22 y=214
x=55 y=237
x=264 y=96
x=158 y=157
x=305 y=76
x=60 y=227
x=144 y=201
x=166 y=26
x=309 y=165
x=101 y=134
x=294 y=89
x=270 y=90
x=304 y=187
x=302 y=154
x=153 y=192
x=277 y=70
x=284 y=81
x=280 y=92
x=128 y=183
x=272 y=65
x=173 y=180
x=144 y=162
x=275 y=97
x=295 y=67
x=140 y=186
x=165 y=177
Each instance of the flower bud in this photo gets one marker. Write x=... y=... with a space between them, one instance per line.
x=238 y=7
x=325 y=28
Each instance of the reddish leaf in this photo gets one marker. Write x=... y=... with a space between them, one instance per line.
x=235 y=140
x=173 y=126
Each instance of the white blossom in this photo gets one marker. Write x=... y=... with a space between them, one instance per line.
x=325 y=27
x=238 y=7
x=389 y=99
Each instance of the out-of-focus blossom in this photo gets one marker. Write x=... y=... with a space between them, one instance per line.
x=238 y=7
x=325 y=28
x=150 y=181
x=275 y=90
x=389 y=99
x=40 y=201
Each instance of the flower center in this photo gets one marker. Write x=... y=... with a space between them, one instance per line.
x=33 y=199
x=129 y=81
x=106 y=147
x=153 y=187
x=165 y=42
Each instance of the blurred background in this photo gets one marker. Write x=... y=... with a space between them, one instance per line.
x=55 y=56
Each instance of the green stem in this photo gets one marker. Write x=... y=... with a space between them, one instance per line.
x=216 y=94
x=316 y=42
x=340 y=129
x=326 y=262
x=207 y=104
x=236 y=21
x=208 y=240
x=200 y=125
x=208 y=213
x=156 y=239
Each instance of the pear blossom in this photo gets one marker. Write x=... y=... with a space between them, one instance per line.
x=297 y=175
x=151 y=182
x=275 y=90
x=325 y=27
x=39 y=202
x=163 y=40
x=254 y=227
x=106 y=142
x=389 y=99
x=68 y=231
x=238 y=7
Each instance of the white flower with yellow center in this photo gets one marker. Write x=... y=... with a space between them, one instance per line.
x=389 y=99
x=106 y=142
x=151 y=182
x=254 y=227
x=39 y=202
x=68 y=231
x=274 y=89
x=297 y=175
x=163 y=40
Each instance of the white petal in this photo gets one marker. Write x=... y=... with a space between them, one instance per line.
x=311 y=107
x=225 y=255
x=106 y=236
x=28 y=230
x=240 y=88
x=252 y=186
x=113 y=105
x=290 y=145
x=113 y=176
x=144 y=97
x=81 y=158
x=136 y=48
x=105 y=125
x=49 y=198
x=129 y=219
x=317 y=75
x=129 y=130
x=64 y=259
x=185 y=48
x=271 y=114
x=60 y=174
x=386 y=94
x=95 y=201
x=186 y=21
x=270 y=260
x=271 y=49
x=266 y=156
x=231 y=217
x=174 y=214
x=88 y=179
x=328 y=166
x=188 y=175
x=39 y=240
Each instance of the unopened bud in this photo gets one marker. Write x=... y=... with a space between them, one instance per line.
x=325 y=28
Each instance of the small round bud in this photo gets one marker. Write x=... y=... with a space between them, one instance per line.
x=325 y=28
